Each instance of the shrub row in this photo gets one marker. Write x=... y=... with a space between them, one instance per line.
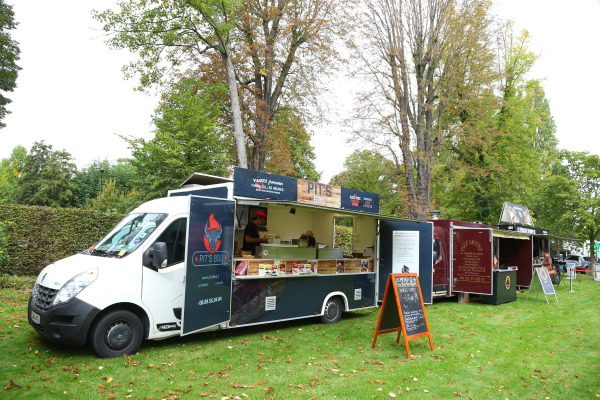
x=37 y=236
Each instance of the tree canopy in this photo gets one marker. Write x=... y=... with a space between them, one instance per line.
x=9 y=55
x=47 y=178
x=188 y=138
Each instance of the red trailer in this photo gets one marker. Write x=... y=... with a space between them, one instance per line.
x=464 y=260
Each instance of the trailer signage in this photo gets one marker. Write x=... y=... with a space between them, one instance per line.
x=262 y=185
x=472 y=257
x=208 y=274
x=319 y=194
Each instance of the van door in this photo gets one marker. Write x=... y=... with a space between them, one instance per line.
x=472 y=260
x=406 y=247
x=162 y=290
x=207 y=298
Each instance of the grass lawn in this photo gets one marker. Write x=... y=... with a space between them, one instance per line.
x=519 y=350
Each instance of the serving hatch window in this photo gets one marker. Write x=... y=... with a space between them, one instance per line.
x=344 y=233
x=128 y=235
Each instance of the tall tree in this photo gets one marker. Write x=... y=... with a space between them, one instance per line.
x=288 y=149
x=288 y=43
x=9 y=55
x=423 y=51
x=47 y=178
x=499 y=152
x=574 y=191
x=188 y=138
x=265 y=47
x=372 y=172
x=169 y=35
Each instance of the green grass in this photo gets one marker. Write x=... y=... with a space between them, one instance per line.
x=520 y=350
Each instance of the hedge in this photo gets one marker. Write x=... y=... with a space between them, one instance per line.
x=38 y=236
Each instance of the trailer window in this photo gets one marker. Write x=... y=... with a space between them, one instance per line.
x=128 y=235
x=344 y=234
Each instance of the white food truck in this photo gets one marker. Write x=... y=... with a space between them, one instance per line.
x=173 y=266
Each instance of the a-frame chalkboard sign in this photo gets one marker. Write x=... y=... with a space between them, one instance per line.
x=545 y=283
x=403 y=310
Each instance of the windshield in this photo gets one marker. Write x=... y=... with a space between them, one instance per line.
x=573 y=258
x=128 y=235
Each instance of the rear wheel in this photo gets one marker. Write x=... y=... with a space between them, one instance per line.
x=333 y=310
x=116 y=333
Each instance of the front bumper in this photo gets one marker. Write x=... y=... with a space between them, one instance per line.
x=66 y=323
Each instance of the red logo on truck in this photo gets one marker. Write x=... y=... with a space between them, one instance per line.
x=212 y=234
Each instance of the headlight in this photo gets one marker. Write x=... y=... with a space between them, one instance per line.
x=75 y=285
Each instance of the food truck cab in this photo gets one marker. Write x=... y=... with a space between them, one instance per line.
x=174 y=265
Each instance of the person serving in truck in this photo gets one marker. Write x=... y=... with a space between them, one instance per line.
x=251 y=235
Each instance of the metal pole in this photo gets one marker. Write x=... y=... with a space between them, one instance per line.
x=100 y=191
x=571 y=275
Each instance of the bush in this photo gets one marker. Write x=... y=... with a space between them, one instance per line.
x=37 y=236
x=343 y=238
x=3 y=242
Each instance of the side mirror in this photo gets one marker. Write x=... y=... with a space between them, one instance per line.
x=156 y=256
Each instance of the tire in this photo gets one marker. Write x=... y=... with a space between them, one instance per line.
x=333 y=310
x=116 y=333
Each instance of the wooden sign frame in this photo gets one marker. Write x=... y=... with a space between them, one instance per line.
x=395 y=309
x=545 y=284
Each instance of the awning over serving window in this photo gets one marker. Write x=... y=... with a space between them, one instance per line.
x=510 y=235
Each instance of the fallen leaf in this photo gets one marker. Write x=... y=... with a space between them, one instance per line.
x=12 y=383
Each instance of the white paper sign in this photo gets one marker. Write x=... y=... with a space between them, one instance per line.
x=405 y=252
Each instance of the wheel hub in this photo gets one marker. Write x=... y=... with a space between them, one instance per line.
x=332 y=310
x=118 y=335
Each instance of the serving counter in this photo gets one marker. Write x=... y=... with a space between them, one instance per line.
x=248 y=268
x=504 y=287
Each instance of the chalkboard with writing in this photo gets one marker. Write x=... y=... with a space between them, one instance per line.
x=413 y=313
x=403 y=310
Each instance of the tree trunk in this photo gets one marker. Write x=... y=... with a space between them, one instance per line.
x=238 y=128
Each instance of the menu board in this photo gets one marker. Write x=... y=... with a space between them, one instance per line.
x=413 y=313
x=403 y=310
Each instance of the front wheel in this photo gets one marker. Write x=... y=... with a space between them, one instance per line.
x=116 y=333
x=333 y=311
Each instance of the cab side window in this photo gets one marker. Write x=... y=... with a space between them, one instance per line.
x=174 y=237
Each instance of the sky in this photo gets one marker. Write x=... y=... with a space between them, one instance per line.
x=71 y=92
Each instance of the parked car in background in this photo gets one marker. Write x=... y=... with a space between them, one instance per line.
x=577 y=261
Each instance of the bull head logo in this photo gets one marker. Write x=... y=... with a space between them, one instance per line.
x=212 y=234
